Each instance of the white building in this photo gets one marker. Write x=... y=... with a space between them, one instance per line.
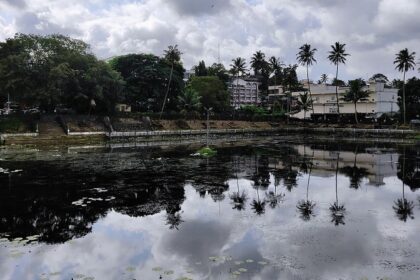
x=245 y=91
x=381 y=100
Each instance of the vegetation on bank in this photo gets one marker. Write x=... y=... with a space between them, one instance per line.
x=53 y=72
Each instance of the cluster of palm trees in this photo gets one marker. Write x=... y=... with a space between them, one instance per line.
x=404 y=62
x=286 y=75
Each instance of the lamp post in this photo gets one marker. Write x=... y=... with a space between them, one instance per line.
x=208 y=110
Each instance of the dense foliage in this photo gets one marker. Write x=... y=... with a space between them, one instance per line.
x=212 y=91
x=48 y=71
x=146 y=78
x=412 y=97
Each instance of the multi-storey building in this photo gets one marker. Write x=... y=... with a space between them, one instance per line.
x=245 y=91
x=381 y=100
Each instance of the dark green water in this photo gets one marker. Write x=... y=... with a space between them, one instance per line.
x=263 y=210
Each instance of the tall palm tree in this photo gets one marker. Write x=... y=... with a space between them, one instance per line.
x=356 y=94
x=276 y=68
x=237 y=68
x=258 y=62
x=306 y=58
x=404 y=61
x=324 y=79
x=305 y=104
x=171 y=55
x=337 y=55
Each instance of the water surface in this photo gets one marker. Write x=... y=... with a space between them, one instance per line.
x=263 y=210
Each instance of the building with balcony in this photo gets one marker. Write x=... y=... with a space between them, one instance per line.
x=245 y=91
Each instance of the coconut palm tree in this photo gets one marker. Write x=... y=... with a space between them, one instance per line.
x=306 y=58
x=404 y=61
x=189 y=101
x=238 y=67
x=305 y=103
x=324 y=79
x=276 y=68
x=356 y=94
x=337 y=55
x=172 y=55
x=337 y=211
x=258 y=62
x=402 y=207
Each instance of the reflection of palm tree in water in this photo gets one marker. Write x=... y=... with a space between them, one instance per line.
x=306 y=207
x=260 y=181
x=238 y=198
x=355 y=173
x=258 y=205
x=402 y=207
x=272 y=198
x=337 y=211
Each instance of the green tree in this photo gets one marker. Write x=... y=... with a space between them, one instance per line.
x=277 y=69
x=324 y=79
x=380 y=76
x=306 y=58
x=412 y=97
x=304 y=103
x=50 y=70
x=404 y=61
x=189 y=102
x=219 y=70
x=172 y=55
x=258 y=62
x=336 y=56
x=146 y=78
x=356 y=94
x=238 y=67
x=212 y=92
x=200 y=69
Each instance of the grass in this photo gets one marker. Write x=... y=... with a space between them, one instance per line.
x=207 y=152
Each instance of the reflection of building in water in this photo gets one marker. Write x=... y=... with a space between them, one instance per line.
x=378 y=164
x=245 y=165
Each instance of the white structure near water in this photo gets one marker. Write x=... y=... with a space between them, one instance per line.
x=381 y=100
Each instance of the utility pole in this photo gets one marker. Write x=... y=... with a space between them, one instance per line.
x=208 y=110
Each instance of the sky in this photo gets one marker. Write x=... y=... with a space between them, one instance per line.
x=373 y=30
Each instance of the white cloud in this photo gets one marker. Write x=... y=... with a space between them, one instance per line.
x=373 y=30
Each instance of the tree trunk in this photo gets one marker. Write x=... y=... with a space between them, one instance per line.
x=404 y=114
x=309 y=87
x=336 y=180
x=336 y=93
x=355 y=112
x=403 y=175
x=167 y=91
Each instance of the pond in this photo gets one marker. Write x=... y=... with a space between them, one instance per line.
x=267 y=209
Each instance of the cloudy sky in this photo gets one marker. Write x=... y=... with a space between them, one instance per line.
x=374 y=30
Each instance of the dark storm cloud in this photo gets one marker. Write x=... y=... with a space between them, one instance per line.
x=199 y=7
